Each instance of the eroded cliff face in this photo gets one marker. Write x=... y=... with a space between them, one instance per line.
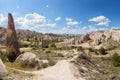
x=12 y=46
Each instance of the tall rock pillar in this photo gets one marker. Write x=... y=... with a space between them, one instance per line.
x=12 y=47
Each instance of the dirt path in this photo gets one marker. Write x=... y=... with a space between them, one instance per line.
x=63 y=70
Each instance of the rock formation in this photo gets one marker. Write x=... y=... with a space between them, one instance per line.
x=26 y=56
x=11 y=40
x=3 y=71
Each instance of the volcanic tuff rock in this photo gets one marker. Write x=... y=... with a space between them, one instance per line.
x=3 y=71
x=106 y=38
x=11 y=40
x=109 y=39
x=32 y=36
x=26 y=56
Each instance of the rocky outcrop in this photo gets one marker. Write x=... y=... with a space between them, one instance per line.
x=88 y=67
x=85 y=37
x=107 y=39
x=3 y=71
x=30 y=60
x=26 y=56
x=12 y=46
x=106 y=35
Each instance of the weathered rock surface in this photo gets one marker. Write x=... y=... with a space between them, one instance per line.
x=107 y=39
x=85 y=38
x=26 y=56
x=11 y=40
x=3 y=71
x=106 y=35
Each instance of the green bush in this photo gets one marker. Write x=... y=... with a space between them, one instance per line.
x=29 y=63
x=115 y=59
x=44 y=65
x=51 y=62
x=102 y=51
x=24 y=63
x=91 y=50
x=73 y=47
x=3 y=56
x=80 y=48
x=53 y=45
x=115 y=63
x=22 y=52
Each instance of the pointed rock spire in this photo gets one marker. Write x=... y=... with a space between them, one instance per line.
x=12 y=46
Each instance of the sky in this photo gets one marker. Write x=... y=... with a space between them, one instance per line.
x=62 y=16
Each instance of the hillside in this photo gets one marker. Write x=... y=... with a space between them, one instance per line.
x=31 y=37
x=93 y=56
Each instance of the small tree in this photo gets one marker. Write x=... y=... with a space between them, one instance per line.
x=102 y=51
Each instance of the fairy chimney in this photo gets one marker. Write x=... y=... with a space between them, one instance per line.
x=12 y=46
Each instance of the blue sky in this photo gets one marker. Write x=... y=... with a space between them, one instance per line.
x=62 y=16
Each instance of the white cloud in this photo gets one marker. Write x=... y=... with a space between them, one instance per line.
x=3 y=20
x=33 y=20
x=70 y=22
x=101 y=20
x=47 y=6
x=58 y=18
x=75 y=30
x=68 y=19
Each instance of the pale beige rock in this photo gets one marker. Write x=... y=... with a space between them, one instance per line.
x=3 y=71
x=26 y=56
x=63 y=70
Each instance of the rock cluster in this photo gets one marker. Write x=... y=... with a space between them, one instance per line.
x=12 y=46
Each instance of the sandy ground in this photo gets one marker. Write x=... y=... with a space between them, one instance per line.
x=63 y=70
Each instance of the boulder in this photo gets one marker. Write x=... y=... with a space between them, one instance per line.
x=26 y=56
x=3 y=71
x=12 y=46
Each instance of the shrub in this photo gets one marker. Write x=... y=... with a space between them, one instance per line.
x=116 y=59
x=102 y=51
x=60 y=55
x=73 y=47
x=51 y=62
x=22 y=52
x=44 y=65
x=53 y=45
x=91 y=50
x=115 y=63
x=24 y=63
x=32 y=63
x=80 y=48
x=29 y=63
x=3 y=56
